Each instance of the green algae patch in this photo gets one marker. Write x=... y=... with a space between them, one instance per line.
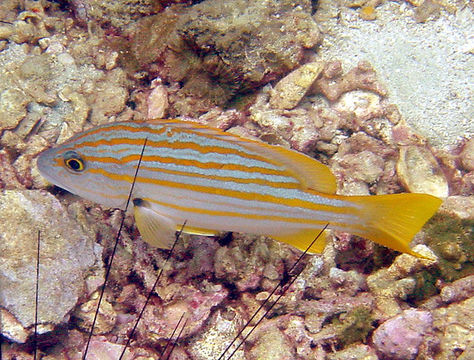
x=355 y=325
x=425 y=285
x=452 y=240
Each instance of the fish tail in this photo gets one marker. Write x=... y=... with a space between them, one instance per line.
x=393 y=220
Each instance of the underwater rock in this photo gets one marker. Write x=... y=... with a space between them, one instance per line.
x=20 y=172
x=11 y=327
x=458 y=290
x=109 y=99
x=232 y=263
x=360 y=141
x=64 y=245
x=451 y=239
x=455 y=329
x=393 y=284
x=10 y=178
x=52 y=93
x=419 y=172
x=358 y=106
x=351 y=281
x=28 y=27
x=203 y=251
x=298 y=335
x=349 y=322
x=219 y=48
x=272 y=344
x=6 y=31
x=400 y=337
x=289 y=91
x=13 y=353
x=224 y=119
x=337 y=316
x=354 y=325
x=419 y=88
x=467 y=155
x=100 y=348
x=354 y=352
x=33 y=146
x=467 y=183
x=79 y=114
x=333 y=83
x=159 y=322
x=368 y=12
x=363 y=166
x=223 y=326
x=118 y=13
x=460 y=206
x=290 y=128
x=404 y=135
x=12 y=108
x=105 y=320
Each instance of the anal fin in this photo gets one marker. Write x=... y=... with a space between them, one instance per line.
x=155 y=229
x=301 y=239
x=197 y=230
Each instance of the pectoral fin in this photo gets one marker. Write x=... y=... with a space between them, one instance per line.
x=301 y=239
x=155 y=229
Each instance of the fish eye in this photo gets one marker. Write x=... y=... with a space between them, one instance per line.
x=73 y=161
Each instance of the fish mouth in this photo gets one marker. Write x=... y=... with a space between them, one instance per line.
x=45 y=161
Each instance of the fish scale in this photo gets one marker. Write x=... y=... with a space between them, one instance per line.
x=217 y=181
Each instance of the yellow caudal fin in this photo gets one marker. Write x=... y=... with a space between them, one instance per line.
x=393 y=220
x=301 y=239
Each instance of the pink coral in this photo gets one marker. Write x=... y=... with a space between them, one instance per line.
x=400 y=337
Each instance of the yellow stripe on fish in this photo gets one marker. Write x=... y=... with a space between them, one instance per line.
x=221 y=182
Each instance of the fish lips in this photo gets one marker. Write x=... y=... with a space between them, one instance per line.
x=46 y=166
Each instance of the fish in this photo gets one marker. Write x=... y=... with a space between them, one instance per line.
x=214 y=181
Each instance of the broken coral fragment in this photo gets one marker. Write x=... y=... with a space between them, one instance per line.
x=289 y=91
x=420 y=172
x=157 y=100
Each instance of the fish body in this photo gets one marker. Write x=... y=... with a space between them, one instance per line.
x=216 y=181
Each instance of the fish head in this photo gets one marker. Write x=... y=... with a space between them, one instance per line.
x=77 y=172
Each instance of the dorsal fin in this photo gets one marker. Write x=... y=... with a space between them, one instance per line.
x=310 y=172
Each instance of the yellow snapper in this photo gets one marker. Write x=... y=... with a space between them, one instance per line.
x=216 y=181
